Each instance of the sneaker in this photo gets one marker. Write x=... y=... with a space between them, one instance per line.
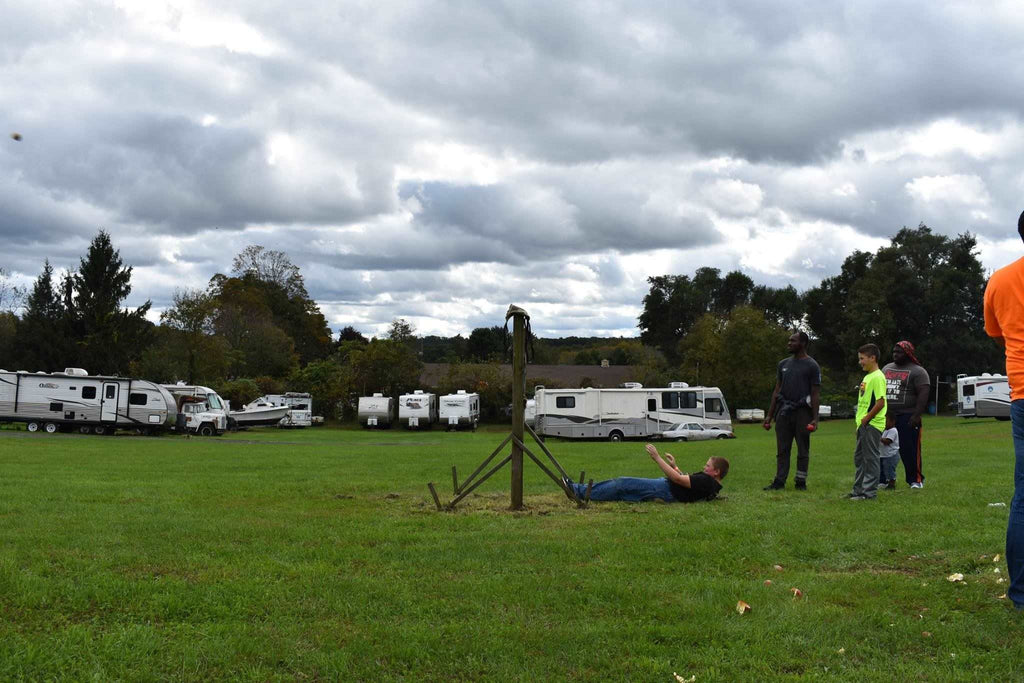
x=853 y=497
x=774 y=486
x=800 y=486
x=917 y=485
x=569 y=489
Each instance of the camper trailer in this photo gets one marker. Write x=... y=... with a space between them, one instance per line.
x=301 y=404
x=417 y=410
x=376 y=411
x=984 y=395
x=630 y=411
x=460 y=410
x=76 y=400
x=202 y=410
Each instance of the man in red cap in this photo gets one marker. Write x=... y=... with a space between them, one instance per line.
x=907 y=387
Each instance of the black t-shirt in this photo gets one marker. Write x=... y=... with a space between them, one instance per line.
x=796 y=376
x=702 y=487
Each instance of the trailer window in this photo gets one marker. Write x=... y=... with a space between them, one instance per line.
x=968 y=390
x=713 y=405
x=688 y=399
x=565 y=401
x=88 y=392
x=56 y=407
x=137 y=399
x=111 y=391
x=669 y=400
x=652 y=404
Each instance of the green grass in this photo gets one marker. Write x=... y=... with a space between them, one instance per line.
x=318 y=554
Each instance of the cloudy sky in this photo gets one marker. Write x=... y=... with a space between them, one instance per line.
x=439 y=160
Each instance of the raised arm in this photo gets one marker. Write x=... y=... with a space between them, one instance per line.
x=670 y=473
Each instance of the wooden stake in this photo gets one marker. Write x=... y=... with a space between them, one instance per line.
x=433 y=492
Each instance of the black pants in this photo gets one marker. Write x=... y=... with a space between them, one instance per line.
x=910 y=448
x=788 y=426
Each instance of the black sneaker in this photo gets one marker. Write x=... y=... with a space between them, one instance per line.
x=800 y=486
x=774 y=486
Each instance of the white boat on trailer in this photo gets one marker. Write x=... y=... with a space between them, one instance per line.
x=75 y=400
x=259 y=413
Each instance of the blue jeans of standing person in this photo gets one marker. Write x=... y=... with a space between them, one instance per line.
x=1015 y=526
x=888 y=465
x=629 y=489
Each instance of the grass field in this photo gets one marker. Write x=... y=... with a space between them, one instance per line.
x=317 y=554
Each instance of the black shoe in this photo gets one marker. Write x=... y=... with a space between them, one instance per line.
x=800 y=486
x=774 y=486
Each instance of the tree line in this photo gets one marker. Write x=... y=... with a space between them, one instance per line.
x=256 y=330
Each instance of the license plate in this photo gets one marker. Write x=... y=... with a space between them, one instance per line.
x=414 y=422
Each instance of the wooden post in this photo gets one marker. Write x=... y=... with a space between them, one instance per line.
x=518 y=401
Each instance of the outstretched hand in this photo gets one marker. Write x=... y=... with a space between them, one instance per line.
x=651 y=451
x=669 y=459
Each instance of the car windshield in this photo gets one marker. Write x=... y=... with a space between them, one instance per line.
x=214 y=401
x=675 y=428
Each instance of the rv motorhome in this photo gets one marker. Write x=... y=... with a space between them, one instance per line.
x=417 y=410
x=376 y=411
x=203 y=411
x=460 y=410
x=984 y=395
x=301 y=404
x=629 y=411
x=74 y=399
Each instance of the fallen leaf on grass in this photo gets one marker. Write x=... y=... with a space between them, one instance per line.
x=1001 y=580
x=767 y=582
x=842 y=650
x=926 y=634
x=954 y=578
x=996 y=571
x=1002 y=597
x=679 y=678
x=797 y=593
x=778 y=567
x=742 y=607
x=995 y=559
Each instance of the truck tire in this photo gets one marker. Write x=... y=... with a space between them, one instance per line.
x=99 y=429
x=32 y=427
x=722 y=436
x=85 y=429
x=50 y=427
x=206 y=429
x=615 y=435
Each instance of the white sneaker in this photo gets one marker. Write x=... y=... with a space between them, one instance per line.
x=917 y=485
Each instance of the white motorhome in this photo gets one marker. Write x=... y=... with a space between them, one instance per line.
x=983 y=395
x=418 y=409
x=460 y=410
x=629 y=411
x=301 y=404
x=376 y=411
x=203 y=411
x=74 y=399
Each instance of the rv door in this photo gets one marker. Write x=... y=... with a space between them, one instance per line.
x=108 y=410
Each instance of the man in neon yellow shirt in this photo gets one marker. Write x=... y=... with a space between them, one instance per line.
x=870 y=423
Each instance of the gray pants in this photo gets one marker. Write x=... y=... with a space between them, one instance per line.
x=866 y=461
x=789 y=427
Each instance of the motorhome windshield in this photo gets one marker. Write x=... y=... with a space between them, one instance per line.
x=214 y=401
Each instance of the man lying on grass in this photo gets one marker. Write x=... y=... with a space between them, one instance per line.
x=674 y=487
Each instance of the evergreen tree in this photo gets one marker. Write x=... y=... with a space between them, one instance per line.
x=40 y=342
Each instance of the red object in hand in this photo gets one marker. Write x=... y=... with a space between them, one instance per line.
x=767 y=424
x=811 y=427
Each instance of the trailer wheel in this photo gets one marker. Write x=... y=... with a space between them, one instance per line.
x=50 y=427
x=85 y=429
x=615 y=436
x=206 y=429
x=32 y=427
x=99 y=429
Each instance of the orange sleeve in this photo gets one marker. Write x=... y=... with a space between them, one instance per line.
x=992 y=327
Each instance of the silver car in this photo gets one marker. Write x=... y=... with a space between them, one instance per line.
x=694 y=431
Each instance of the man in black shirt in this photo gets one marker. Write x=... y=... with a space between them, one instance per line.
x=674 y=487
x=794 y=406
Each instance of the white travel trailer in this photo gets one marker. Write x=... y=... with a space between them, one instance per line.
x=74 y=399
x=301 y=404
x=417 y=409
x=530 y=414
x=984 y=395
x=202 y=410
x=629 y=411
x=460 y=410
x=376 y=411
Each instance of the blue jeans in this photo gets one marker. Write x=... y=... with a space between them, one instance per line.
x=631 y=489
x=888 y=466
x=1015 y=526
